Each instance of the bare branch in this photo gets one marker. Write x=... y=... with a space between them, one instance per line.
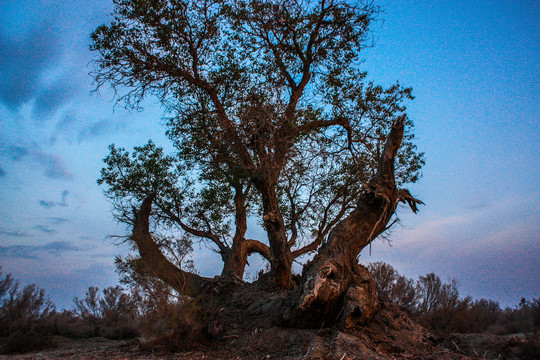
x=200 y=233
x=255 y=246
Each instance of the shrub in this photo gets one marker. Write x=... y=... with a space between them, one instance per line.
x=175 y=325
x=115 y=315
x=23 y=316
x=117 y=306
x=437 y=305
x=22 y=309
x=393 y=287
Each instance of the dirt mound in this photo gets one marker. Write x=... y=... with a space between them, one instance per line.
x=248 y=323
x=264 y=343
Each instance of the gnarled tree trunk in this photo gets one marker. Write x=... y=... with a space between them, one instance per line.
x=182 y=281
x=336 y=289
x=235 y=257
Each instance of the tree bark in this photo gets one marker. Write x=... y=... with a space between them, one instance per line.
x=281 y=257
x=235 y=257
x=336 y=289
x=184 y=282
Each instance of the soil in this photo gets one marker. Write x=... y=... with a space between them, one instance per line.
x=282 y=343
x=278 y=343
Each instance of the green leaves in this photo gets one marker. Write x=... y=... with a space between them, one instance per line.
x=147 y=171
x=181 y=209
x=264 y=95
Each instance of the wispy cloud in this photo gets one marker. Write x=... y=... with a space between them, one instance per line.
x=17 y=234
x=54 y=96
x=26 y=62
x=476 y=222
x=65 y=127
x=21 y=63
x=58 y=220
x=49 y=204
x=45 y=229
x=18 y=153
x=76 y=127
x=100 y=128
x=37 y=251
x=52 y=165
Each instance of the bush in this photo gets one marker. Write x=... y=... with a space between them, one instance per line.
x=174 y=325
x=393 y=287
x=522 y=319
x=437 y=305
x=171 y=321
x=115 y=315
x=23 y=316
x=22 y=310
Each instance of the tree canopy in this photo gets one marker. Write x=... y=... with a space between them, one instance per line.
x=272 y=117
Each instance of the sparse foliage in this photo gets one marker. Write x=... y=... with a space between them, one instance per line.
x=21 y=310
x=115 y=314
x=436 y=295
x=88 y=308
x=271 y=116
x=437 y=305
x=393 y=287
x=24 y=314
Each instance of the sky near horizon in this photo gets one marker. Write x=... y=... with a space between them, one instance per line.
x=475 y=71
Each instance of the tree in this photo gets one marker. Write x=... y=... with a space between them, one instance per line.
x=271 y=116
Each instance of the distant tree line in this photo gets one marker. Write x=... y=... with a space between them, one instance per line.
x=438 y=306
x=29 y=319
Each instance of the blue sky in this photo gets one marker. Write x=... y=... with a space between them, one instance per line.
x=475 y=70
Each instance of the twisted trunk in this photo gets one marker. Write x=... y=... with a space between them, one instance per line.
x=184 y=282
x=234 y=257
x=336 y=289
